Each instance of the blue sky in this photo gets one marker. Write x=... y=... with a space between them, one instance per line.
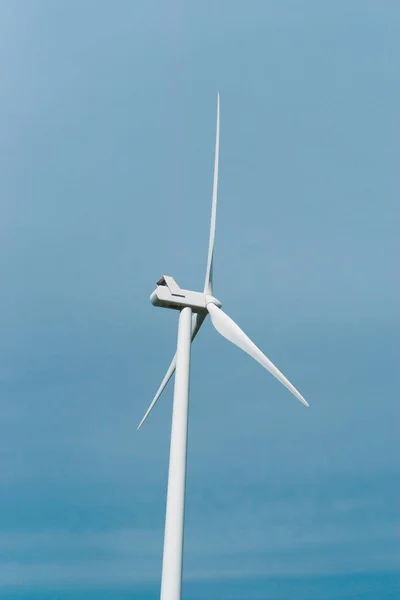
x=108 y=124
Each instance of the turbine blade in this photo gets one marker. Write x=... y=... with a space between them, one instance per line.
x=168 y=375
x=197 y=321
x=232 y=332
x=208 y=285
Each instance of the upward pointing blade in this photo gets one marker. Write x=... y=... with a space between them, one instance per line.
x=208 y=285
x=232 y=332
x=197 y=321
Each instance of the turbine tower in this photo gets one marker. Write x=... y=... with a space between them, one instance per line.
x=193 y=308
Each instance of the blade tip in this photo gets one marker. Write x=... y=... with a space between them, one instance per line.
x=141 y=423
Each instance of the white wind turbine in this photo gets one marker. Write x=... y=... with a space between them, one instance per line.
x=193 y=307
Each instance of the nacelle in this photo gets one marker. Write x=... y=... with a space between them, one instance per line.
x=169 y=295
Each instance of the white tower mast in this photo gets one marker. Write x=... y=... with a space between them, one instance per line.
x=171 y=580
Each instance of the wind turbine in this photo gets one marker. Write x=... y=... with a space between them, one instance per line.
x=193 y=309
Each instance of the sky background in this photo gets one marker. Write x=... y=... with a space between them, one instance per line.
x=107 y=118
